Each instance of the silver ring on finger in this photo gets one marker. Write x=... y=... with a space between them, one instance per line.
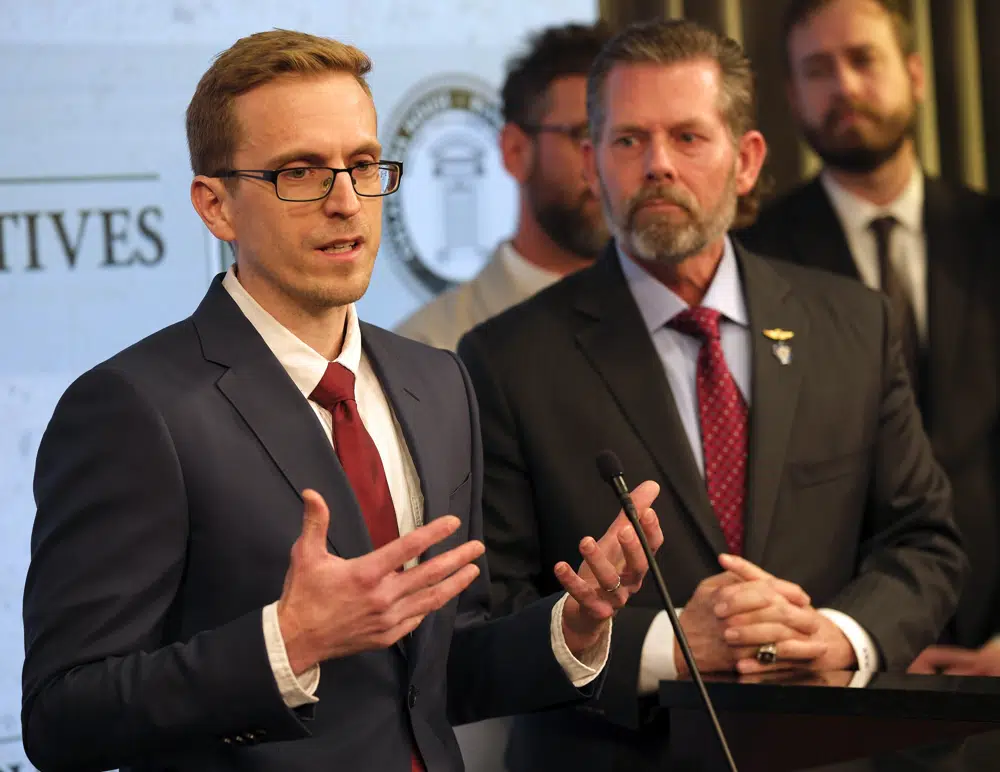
x=767 y=654
x=615 y=588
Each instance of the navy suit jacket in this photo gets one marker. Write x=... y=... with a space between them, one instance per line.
x=168 y=491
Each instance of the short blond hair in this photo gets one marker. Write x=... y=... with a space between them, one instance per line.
x=212 y=129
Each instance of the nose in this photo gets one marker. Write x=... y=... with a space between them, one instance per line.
x=847 y=81
x=343 y=200
x=659 y=160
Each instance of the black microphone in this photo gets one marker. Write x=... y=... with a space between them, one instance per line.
x=611 y=470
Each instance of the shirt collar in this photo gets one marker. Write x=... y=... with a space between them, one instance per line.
x=658 y=304
x=304 y=365
x=856 y=214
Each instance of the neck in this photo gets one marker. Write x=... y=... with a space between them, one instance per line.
x=689 y=279
x=536 y=246
x=321 y=328
x=882 y=185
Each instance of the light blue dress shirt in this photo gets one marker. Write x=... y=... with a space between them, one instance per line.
x=679 y=352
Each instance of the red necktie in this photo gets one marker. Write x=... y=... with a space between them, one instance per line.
x=723 y=416
x=357 y=453
x=362 y=464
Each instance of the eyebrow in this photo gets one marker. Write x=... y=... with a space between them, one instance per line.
x=313 y=158
x=688 y=124
x=629 y=128
x=818 y=57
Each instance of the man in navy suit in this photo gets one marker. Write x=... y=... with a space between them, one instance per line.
x=180 y=611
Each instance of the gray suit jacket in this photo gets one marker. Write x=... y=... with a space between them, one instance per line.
x=844 y=495
x=446 y=318
x=960 y=390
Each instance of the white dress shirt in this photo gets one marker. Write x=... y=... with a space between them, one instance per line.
x=907 y=244
x=306 y=367
x=679 y=354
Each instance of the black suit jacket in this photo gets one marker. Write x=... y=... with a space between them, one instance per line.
x=961 y=393
x=844 y=496
x=168 y=489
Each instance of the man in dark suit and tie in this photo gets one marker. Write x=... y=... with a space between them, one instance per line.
x=807 y=524
x=180 y=613
x=854 y=82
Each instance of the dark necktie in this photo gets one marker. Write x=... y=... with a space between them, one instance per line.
x=722 y=412
x=362 y=464
x=902 y=309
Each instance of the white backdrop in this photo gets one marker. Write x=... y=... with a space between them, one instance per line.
x=99 y=245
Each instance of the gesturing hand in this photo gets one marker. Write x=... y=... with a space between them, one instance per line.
x=612 y=571
x=332 y=607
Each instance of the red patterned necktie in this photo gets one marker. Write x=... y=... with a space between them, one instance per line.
x=722 y=412
x=362 y=464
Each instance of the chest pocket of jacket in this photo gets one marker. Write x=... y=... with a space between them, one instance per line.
x=811 y=473
x=460 y=490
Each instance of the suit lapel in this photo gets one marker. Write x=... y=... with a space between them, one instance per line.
x=613 y=337
x=279 y=416
x=817 y=233
x=774 y=395
x=403 y=393
x=949 y=251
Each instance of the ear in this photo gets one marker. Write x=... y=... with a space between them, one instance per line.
x=589 y=153
x=212 y=202
x=517 y=150
x=752 y=150
x=918 y=76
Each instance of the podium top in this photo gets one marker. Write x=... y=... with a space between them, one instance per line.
x=884 y=695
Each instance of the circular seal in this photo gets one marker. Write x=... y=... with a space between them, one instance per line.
x=456 y=200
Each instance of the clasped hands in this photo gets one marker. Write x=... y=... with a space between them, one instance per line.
x=334 y=607
x=733 y=613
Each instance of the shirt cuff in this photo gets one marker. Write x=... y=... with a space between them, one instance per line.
x=295 y=691
x=864 y=647
x=580 y=671
x=656 y=661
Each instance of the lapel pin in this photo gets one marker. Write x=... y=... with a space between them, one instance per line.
x=781 y=349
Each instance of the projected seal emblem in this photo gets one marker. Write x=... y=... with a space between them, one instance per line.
x=456 y=201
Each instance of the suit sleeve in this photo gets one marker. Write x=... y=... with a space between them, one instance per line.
x=513 y=544
x=502 y=666
x=106 y=680
x=912 y=563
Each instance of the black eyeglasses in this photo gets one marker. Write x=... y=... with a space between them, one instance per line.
x=312 y=183
x=577 y=132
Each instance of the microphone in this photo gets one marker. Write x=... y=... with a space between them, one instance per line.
x=611 y=470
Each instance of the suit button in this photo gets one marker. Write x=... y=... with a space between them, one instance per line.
x=411 y=697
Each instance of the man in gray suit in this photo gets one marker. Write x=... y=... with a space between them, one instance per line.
x=771 y=399
x=560 y=226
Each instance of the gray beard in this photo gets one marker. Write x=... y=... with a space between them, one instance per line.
x=664 y=242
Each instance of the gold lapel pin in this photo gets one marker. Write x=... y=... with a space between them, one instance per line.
x=781 y=349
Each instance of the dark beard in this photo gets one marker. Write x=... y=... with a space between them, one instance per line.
x=572 y=230
x=858 y=159
x=854 y=155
